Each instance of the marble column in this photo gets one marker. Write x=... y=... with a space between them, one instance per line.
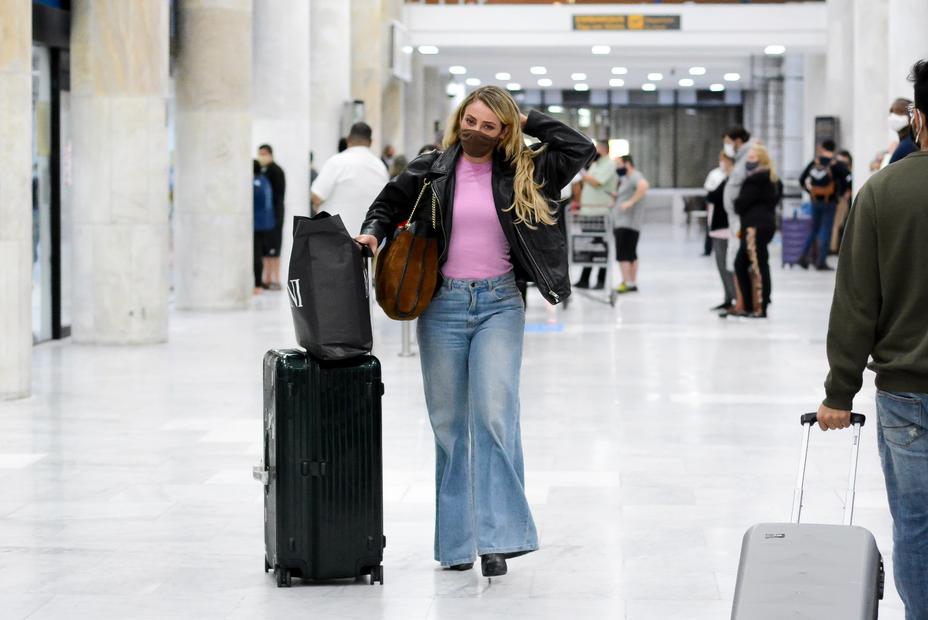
x=814 y=69
x=213 y=179
x=416 y=133
x=281 y=117
x=908 y=25
x=870 y=103
x=368 y=64
x=393 y=89
x=793 y=116
x=838 y=94
x=15 y=198
x=437 y=107
x=119 y=83
x=329 y=74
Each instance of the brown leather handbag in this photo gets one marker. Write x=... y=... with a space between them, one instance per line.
x=406 y=272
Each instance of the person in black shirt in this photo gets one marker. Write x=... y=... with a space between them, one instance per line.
x=826 y=180
x=899 y=123
x=278 y=179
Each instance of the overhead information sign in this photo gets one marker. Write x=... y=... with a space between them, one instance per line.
x=626 y=22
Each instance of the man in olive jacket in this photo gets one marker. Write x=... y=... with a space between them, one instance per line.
x=880 y=310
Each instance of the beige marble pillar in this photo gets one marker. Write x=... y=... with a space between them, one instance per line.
x=213 y=176
x=281 y=105
x=329 y=74
x=15 y=198
x=368 y=64
x=416 y=133
x=392 y=111
x=838 y=93
x=119 y=81
x=814 y=104
x=908 y=27
x=870 y=102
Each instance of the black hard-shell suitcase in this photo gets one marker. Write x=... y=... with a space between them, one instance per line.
x=322 y=468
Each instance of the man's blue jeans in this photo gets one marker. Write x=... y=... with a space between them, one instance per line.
x=470 y=343
x=823 y=220
x=903 y=440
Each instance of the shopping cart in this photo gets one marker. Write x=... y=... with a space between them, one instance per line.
x=591 y=243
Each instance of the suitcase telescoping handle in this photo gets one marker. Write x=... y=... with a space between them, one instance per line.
x=808 y=420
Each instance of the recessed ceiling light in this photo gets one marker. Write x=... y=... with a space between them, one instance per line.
x=732 y=77
x=407 y=49
x=697 y=70
x=457 y=70
x=502 y=76
x=555 y=109
x=649 y=87
x=428 y=50
x=686 y=82
x=619 y=70
x=601 y=50
x=616 y=82
x=472 y=82
x=545 y=82
x=454 y=89
x=581 y=86
x=717 y=88
x=578 y=77
x=538 y=70
x=775 y=50
x=655 y=77
x=513 y=86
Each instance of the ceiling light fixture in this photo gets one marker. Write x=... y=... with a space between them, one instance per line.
x=616 y=82
x=732 y=77
x=775 y=50
x=717 y=88
x=697 y=70
x=578 y=77
x=457 y=70
x=581 y=87
x=655 y=77
x=428 y=50
x=619 y=70
x=601 y=50
x=686 y=82
x=472 y=82
x=538 y=70
x=649 y=88
x=513 y=86
x=545 y=82
x=502 y=76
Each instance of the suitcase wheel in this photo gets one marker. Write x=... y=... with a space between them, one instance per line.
x=377 y=574
x=283 y=577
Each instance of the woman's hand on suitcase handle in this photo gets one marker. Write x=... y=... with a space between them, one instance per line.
x=833 y=419
x=369 y=241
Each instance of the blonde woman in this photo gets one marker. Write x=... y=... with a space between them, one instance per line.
x=756 y=206
x=497 y=229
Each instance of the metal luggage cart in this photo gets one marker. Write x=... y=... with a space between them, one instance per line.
x=591 y=243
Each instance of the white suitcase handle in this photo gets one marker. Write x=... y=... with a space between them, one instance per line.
x=807 y=421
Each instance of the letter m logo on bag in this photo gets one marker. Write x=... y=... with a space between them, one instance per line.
x=296 y=298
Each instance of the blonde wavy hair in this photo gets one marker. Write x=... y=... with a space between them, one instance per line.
x=763 y=158
x=529 y=204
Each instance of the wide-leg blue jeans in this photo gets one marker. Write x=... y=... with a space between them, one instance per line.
x=470 y=344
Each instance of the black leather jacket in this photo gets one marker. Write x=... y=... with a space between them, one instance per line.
x=538 y=255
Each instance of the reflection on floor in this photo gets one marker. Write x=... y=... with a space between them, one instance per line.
x=655 y=434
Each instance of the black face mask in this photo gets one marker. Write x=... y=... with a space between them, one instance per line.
x=621 y=171
x=751 y=166
x=477 y=144
x=824 y=161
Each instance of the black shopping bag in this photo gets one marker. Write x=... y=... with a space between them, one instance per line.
x=329 y=290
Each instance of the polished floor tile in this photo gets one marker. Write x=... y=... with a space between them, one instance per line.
x=655 y=434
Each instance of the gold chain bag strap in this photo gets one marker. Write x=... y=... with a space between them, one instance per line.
x=406 y=273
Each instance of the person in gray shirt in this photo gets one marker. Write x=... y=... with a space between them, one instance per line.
x=629 y=214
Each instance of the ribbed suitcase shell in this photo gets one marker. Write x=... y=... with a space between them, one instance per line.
x=808 y=572
x=794 y=232
x=323 y=505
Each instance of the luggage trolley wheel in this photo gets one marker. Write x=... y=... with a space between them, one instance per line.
x=376 y=574
x=284 y=579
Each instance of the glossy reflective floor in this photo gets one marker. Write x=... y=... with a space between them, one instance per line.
x=655 y=434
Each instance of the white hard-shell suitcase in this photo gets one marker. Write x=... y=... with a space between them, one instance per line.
x=810 y=572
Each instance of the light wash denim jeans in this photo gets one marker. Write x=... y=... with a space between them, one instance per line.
x=903 y=439
x=470 y=344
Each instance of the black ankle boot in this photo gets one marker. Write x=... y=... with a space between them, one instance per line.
x=493 y=565
x=460 y=567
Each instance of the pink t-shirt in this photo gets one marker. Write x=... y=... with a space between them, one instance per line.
x=478 y=248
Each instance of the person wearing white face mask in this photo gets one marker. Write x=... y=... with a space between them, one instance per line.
x=899 y=123
x=737 y=144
